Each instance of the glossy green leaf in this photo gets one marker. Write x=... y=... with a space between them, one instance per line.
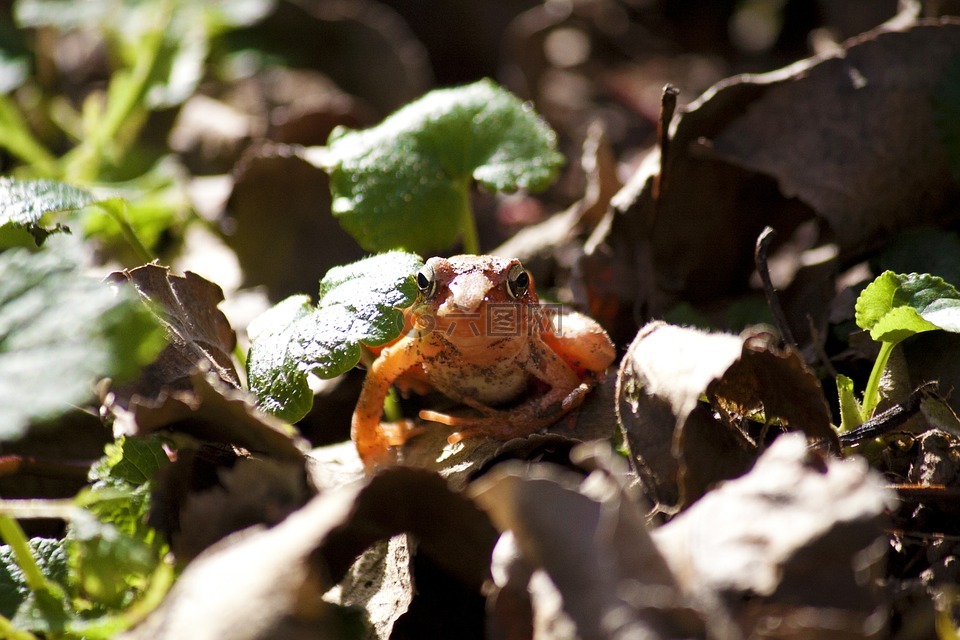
x=26 y=204
x=60 y=332
x=360 y=304
x=405 y=183
x=273 y=372
x=896 y=306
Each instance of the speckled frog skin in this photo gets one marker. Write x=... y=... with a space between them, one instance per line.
x=478 y=334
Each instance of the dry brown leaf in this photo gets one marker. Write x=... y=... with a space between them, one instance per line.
x=799 y=535
x=199 y=332
x=853 y=135
x=211 y=412
x=680 y=448
x=847 y=140
x=270 y=583
x=591 y=540
x=256 y=584
x=201 y=498
x=537 y=245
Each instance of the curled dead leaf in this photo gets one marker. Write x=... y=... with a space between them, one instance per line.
x=211 y=492
x=270 y=583
x=846 y=139
x=199 y=332
x=585 y=540
x=681 y=447
x=795 y=545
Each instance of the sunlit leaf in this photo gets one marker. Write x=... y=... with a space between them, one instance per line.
x=896 y=306
x=360 y=304
x=52 y=560
x=405 y=183
x=26 y=204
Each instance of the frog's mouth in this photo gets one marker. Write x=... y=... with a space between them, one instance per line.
x=467 y=293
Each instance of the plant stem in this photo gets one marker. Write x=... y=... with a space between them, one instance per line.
x=124 y=94
x=871 y=395
x=13 y=535
x=18 y=140
x=391 y=407
x=7 y=630
x=471 y=241
x=117 y=209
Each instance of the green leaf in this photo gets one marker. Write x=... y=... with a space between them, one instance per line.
x=60 y=332
x=107 y=566
x=360 y=304
x=51 y=558
x=130 y=460
x=120 y=494
x=851 y=415
x=896 y=306
x=26 y=203
x=405 y=183
x=274 y=374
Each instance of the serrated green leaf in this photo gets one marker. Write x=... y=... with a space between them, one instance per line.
x=61 y=331
x=360 y=304
x=51 y=558
x=120 y=494
x=896 y=306
x=898 y=324
x=405 y=183
x=25 y=204
x=273 y=372
x=131 y=460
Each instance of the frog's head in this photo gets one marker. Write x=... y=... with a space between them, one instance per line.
x=469 y=288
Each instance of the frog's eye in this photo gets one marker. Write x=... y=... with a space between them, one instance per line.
x=426 y=281
x=517 y=281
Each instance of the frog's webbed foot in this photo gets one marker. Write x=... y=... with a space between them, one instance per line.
x=513 y=423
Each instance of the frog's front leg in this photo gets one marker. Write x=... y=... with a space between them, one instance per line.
x=581 y=342
x=370 y=436
x=566 y=392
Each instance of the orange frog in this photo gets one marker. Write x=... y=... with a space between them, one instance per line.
x=478 y=334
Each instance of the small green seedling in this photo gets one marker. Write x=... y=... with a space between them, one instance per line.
x=361 y=304
x=406 y=182
x=894 y=307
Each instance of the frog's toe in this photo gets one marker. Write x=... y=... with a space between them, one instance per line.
x=396 y=434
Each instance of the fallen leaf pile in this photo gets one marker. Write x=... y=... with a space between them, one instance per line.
x=704 y=489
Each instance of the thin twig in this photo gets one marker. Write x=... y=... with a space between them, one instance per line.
x=668 y=104
x=891 y=419
x=760 y=259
